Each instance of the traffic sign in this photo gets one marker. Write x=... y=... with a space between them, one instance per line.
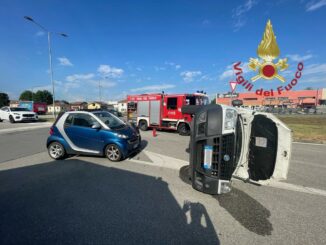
x=233 y=84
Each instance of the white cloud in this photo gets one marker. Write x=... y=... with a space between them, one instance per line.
x=189 y=76
x=317 y=79
x=206 y=78
x=239 y=13
x=228 y=72
x=169 y=63
x=314 y=5
x=314 y=69
x=40 y=33
x=107 y=70
x=298 y=58
x=159 y=68
x=176 y=66
x=78 y=77
x=103 y=83
x=69 y=85
x=63 y=61
x=157 y=87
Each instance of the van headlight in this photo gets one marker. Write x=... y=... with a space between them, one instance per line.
x=230 y=119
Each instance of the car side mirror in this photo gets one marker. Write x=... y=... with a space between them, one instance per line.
x=96 y=125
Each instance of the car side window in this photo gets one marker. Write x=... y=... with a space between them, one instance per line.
x=83 y=120
x=69 y=120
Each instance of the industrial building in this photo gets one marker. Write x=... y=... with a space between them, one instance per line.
x=290 y=99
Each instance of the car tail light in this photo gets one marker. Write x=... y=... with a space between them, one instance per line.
x=51 y=131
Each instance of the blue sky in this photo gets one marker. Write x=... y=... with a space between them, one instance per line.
x=149 y=46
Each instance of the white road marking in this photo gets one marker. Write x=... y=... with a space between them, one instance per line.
x=161 y=161
x=309 y=163
x=297 y=188
x=303 y=143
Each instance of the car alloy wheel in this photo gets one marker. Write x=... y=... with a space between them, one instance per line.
x=11 y=119
x=56 y=150
x=113 y=153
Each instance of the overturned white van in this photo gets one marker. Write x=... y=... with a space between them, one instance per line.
x=228 y=142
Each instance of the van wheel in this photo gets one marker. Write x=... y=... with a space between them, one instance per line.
x=143 y=125
x=184 y=129
x=113 y=153
x=56 y=151
x=11 y=119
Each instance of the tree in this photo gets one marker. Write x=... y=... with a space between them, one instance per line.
x=213 y=101
x=26 y=95
x=309 y=88
x=4 y=99
x=43 y=96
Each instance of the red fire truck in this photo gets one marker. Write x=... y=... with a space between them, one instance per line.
x=163 y=111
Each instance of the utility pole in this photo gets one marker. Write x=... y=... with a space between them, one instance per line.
x=50 y=55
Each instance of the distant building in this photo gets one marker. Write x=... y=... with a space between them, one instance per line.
x=298 y=98
x=98 y=105
x=113 y=103
x=122 y=106
x=14 y=103
x=60 y=106
x=77 y=106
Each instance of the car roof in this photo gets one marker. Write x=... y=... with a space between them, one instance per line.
x=86 y=112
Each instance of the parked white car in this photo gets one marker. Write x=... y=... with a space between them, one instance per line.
x=17 y=114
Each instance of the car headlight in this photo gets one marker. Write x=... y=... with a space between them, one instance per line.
x=17 y=114
x=230 y=119
x=121 y=136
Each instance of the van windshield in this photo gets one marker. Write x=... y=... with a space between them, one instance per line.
x=110 y=120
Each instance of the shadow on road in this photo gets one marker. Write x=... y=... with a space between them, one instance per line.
x=77 y=202
x=245 y=209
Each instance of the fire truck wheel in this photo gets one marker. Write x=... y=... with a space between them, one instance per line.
x=184 y=129
x=143 y=125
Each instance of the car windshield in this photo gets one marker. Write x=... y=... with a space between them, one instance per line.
x=110 y=120
x=18 y=109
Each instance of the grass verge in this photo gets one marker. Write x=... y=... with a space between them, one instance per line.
x=306 y=128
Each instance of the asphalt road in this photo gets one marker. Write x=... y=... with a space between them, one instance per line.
x=89 y=200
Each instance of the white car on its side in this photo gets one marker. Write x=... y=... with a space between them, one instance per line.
x=17 y=114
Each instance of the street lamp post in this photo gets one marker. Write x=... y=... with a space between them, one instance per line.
x=99 y=90
x=50 y=55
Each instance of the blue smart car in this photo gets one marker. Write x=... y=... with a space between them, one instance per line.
x=92 y=133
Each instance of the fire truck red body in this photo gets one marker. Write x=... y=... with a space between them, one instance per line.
x=163 y=111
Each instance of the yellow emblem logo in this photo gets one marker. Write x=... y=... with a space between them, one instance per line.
x=268 y=51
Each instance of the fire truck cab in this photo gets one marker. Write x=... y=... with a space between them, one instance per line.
x=163 y=111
